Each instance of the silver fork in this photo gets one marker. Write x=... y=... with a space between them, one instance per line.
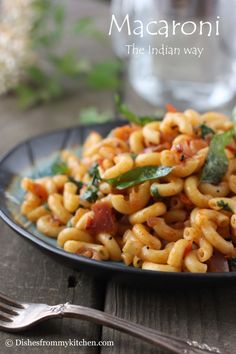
x=16 y=316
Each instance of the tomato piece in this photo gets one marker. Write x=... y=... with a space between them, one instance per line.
x=171 y=108
x=103 y=219
x=124 y=132
x=39 y=190
x=184 y=199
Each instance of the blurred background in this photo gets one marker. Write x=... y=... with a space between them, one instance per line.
x=58 y=64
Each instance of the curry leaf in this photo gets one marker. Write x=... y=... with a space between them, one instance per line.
x=205 y=131
x=154 y=191
x=217 y=162
x=139 y=175
x=223 y=205
x=59 y=168
x=94 y=172
x=132 y=117
x=90 y=194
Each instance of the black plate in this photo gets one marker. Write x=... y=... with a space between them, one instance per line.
x=28 y=157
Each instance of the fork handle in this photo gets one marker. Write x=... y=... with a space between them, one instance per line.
x=173 y=344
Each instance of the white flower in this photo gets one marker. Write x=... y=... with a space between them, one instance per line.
x=16 y=22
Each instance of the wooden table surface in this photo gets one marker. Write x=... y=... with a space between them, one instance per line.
x=204 y=314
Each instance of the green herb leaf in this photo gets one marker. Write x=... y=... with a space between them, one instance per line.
x=90 y=194
x=217 y=162
x=59 y=168
x=94 y=172
x=148 y=119
x=224 y=205
x=205 y=131
x=139 y=175
x=154 y=191
x=93 y=169
x=132 y=117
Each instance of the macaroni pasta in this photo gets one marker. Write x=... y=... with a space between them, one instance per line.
x=109 y=204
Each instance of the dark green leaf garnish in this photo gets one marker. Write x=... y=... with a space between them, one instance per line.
x=93 y=169
x=224 y=205
x=139 y=175
x=94 y=172
x=154 y=191
x=132 y=117
x=90 y=194
x=206 y=131
x=217 y=162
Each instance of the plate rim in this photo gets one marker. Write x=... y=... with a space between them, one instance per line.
x=102 y=265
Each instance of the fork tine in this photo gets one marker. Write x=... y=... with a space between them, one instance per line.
x=8 y=301
x=5 y=325
x=8 y=309
x=5 y=317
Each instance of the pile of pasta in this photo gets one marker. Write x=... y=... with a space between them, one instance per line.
x=175 y=223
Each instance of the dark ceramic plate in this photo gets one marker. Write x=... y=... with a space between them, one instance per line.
x=33 y=156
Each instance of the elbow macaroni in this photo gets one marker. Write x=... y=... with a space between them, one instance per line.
x=172 y=224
